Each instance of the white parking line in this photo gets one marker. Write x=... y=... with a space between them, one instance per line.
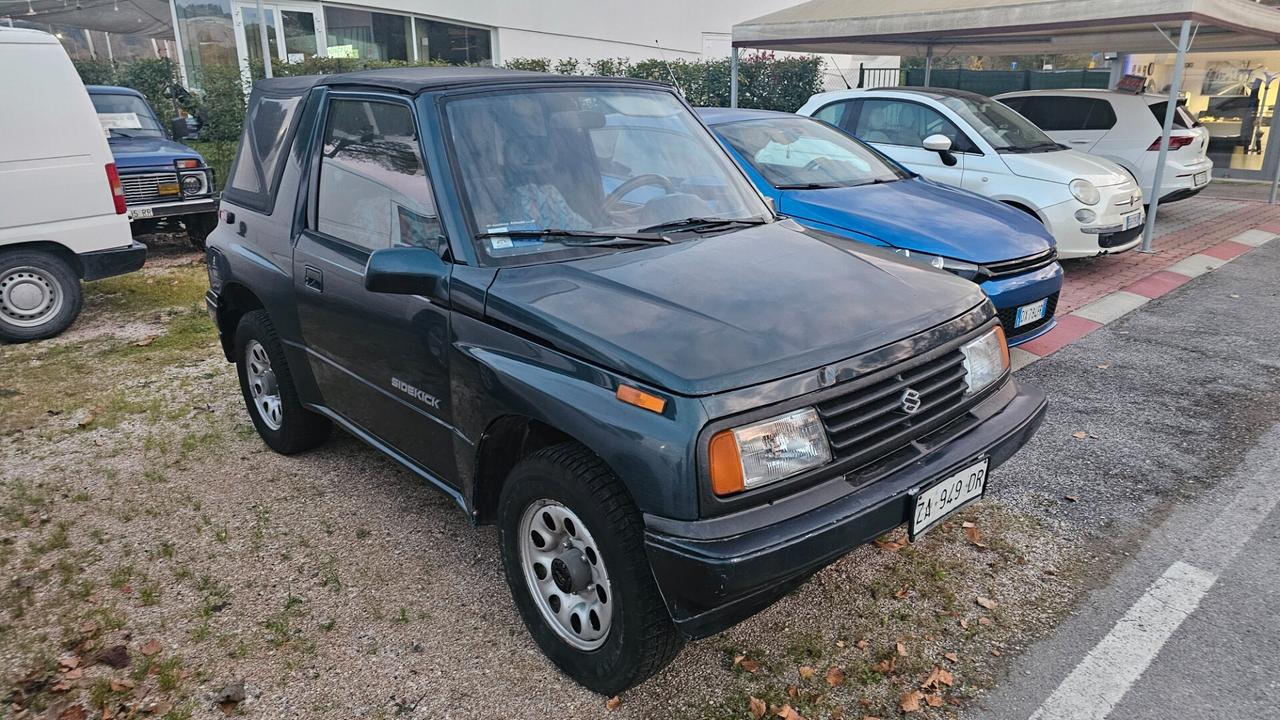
x=1102 y=678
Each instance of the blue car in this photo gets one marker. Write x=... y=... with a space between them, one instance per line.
x=165 y=183
x=827 y=180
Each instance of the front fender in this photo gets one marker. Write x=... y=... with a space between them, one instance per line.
x=499 y=374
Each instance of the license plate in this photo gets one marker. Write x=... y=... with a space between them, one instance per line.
x=1030 y=313
x=142 y=212
x=167 y=189
x=1200 y=178
x=1134 y=220
x=943 y=498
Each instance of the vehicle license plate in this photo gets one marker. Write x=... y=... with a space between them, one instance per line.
x=945 y=497
x=1200 y=178
x=1031 y=313
x=1134 y=220
x=142 y=212
x=167 y=189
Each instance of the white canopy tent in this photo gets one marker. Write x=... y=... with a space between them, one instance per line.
x=1000 y=27
x=151 y=18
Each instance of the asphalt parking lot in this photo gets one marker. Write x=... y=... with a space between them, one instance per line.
x=140 y=511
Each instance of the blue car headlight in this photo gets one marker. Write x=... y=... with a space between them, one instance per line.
x=968 y=271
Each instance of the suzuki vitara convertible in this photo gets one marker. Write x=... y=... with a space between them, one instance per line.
x=674 y=405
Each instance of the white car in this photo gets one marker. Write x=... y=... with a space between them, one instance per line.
x=1090 y=205
x=62 y=210
x=1125 y=129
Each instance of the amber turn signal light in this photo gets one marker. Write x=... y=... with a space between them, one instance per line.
x=1004 y=346
x=641 y=399
x=725 y=463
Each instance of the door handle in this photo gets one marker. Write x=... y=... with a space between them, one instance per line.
x=1079 y=142
x=312 y=278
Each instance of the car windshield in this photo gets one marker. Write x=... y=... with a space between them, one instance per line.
x=551 y=174
x=998 y=124
x=799 y=153
x=126 y=115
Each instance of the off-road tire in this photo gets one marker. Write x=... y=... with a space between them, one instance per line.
x=300 y=429
x=642 y=639
x=49 y=268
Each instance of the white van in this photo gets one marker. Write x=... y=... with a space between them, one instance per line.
x=62 y=212
x=1089 y=204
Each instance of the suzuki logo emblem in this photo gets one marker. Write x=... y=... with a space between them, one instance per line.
x=910 y=400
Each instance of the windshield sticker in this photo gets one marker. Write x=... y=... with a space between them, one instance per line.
x=121 y=121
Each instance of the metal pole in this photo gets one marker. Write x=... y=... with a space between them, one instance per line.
x=266 y=46
x=1275 y=178
x=1174 y=88
x=928 y=63
x=733 y=78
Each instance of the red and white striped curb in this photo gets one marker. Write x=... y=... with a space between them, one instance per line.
x=1109 y=308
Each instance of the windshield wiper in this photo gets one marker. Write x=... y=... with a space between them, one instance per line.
x=701 y=223
x=122 y=133
x=1033 y=148
x=583 y=238
x=810 y=186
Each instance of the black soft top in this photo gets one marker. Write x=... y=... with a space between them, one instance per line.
x=413 y=80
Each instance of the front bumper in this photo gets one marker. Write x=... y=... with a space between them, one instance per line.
x=175 y=209
x=1012 y=292
x=116 y=261
x=711 y=581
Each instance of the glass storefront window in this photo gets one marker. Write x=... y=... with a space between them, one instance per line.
x=452 y=43
x=364 y=34
x=206 y=35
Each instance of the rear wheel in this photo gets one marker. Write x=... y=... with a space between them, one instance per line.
x=40 y=295
x=267 y=385
x=573 y=550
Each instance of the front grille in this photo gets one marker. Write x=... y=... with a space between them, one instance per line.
x=869 y=423
x=1009 y=316
x=1119 y=238
x=1021 y=265
x=145 y=187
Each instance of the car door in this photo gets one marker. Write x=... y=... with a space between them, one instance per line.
x=380 y=360
x=898 y=128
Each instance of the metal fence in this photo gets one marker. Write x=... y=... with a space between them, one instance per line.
x=878 y=77
x=994 y=82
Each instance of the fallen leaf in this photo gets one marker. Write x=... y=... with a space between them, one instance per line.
x=87 y=420
x=146 y=341
x=75 y=712
x=807 y=672
x=793 y=692
x=1071 y=498
x=986 y=602
x=150 y=647
x=613 y=702
x=121 y=684
x=984 y=621
x=835 y=676
x=160 y=708
x=967 y=524
x=757 y=708
x=902 y=593
x=862 y=644
x=69 y=662
x=839 y=643
x=995 y=653
x=889 y=545
x=911 y=701
x=933 y=700
x=117 y=656
x=1103 y=366
x=750 y=666
x=952 y=657
x=964 y=623
x=62 y=686
x=1079 y=434
x=788 y=713
x=88 y=627
x=974 y=535
x=885 y=667
x=73 y=674
x=937 y=678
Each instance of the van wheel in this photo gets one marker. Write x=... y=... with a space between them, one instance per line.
x=284 y=424
x=40 y=295
x=198 y=228
x=573 y=550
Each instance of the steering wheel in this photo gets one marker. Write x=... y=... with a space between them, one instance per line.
x=636 y=182
x=822 y=164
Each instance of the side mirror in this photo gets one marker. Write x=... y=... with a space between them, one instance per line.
x=773 y=205
x=404 y=271
x=941 y=144
x=179 y=128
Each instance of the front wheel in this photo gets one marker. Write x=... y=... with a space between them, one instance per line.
x=40 y=295
x=573 y=550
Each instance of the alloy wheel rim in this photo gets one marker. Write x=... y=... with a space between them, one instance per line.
x=565 y=573
x=29 y=297
x=263 y=388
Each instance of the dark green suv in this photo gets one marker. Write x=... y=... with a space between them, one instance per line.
x=560 y=302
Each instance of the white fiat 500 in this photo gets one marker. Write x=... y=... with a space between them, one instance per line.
x=1090 y=205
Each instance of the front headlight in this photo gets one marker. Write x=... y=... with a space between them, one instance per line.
x=193 y=184
x=968 y=271
x=985 y=360
x=1084 y=191
x=747 y=457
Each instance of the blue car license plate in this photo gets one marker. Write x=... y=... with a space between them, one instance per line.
x=1028 y=314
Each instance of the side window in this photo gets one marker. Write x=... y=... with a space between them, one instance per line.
x=837 y=113
x=1101 y=115
x=1181 y=119
x=1065 y=113
x=898 y=122
x=374 y=191
x=262 y=144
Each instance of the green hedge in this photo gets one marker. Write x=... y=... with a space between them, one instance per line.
x=764 y=80
x=150 y=77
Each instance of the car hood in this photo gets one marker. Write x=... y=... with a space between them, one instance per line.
x=148 y=151
x=722 y=312
x=925 y=217
x=1063 y=166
